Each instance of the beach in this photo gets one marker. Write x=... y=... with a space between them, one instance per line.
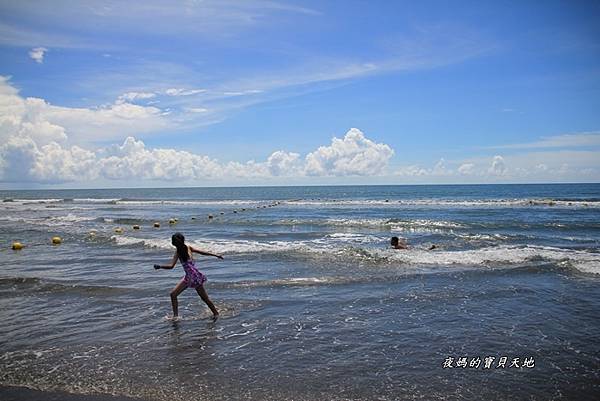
x=23 y=393
x=314 y=303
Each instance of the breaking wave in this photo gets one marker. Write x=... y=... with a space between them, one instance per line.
x=355 y=248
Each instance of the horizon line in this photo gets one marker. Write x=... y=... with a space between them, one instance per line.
x=298 y=186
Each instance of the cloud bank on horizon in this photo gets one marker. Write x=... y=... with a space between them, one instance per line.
x=37 y=149
x=265 y=92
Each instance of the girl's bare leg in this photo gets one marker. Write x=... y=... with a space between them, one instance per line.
x=204 y=295
x=178 y=289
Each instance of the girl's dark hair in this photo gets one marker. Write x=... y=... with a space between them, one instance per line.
x=178 y=240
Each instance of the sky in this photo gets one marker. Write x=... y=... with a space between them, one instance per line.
x=268 y=92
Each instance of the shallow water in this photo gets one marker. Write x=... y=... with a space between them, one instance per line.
x=314 y=305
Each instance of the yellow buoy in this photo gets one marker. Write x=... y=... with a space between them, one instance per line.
x=156 y=225
x=119 y=230
x=56 y=240
x=17 y=246
x=93 y=233
x=136 y=227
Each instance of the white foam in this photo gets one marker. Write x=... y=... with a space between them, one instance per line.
x=340 y=247
x=391 y=224
x=48 y=221
x=448 y=202
x=69 y=218
x=26 y=201
x=190 y=202
x=581 y=260
x=96 y=200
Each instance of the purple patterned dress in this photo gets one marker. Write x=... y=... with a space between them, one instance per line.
x=193 y=278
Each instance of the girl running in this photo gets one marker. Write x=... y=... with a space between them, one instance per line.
x=193 y=278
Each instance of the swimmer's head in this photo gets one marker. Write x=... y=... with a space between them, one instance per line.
x=394 y=241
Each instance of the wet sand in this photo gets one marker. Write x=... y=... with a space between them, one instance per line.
x=10 y=393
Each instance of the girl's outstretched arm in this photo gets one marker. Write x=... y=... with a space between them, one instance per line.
x=169 y=266
x=205 y=253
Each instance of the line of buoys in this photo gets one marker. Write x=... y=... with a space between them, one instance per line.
x=118 y=230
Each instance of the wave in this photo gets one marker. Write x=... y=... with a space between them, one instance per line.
x=388 y=224
x=26 y=201
x=450 y=202
x=49 y=220
x=300 y=282
x=143 y=202
x=19 y=281
x=500 y=255
x=96 y=200
x=343 y=247
x=48 y=286
x=511 y=202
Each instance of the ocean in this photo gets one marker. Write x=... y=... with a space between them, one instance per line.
x=315 y=304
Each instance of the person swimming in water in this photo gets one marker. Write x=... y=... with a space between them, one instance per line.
x=193 y=278
x=400 y=243
x=397 y=244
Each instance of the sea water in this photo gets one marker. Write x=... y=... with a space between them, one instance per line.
x=314 y=303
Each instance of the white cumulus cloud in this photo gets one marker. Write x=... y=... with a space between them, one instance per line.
x=44 y=122
x=352 y=155
x=466 y=168
x=37 y=145
x=497 y=167
x=37 y=54
x=132 y=160
x=21 y=160
x=284 y=163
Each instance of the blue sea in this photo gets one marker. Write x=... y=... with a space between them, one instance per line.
x=315 y=304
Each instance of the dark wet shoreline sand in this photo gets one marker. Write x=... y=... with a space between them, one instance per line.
x=11 y=393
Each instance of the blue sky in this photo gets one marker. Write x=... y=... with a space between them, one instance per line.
x=149 y=93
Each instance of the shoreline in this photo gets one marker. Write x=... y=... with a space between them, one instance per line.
x=17 y=393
